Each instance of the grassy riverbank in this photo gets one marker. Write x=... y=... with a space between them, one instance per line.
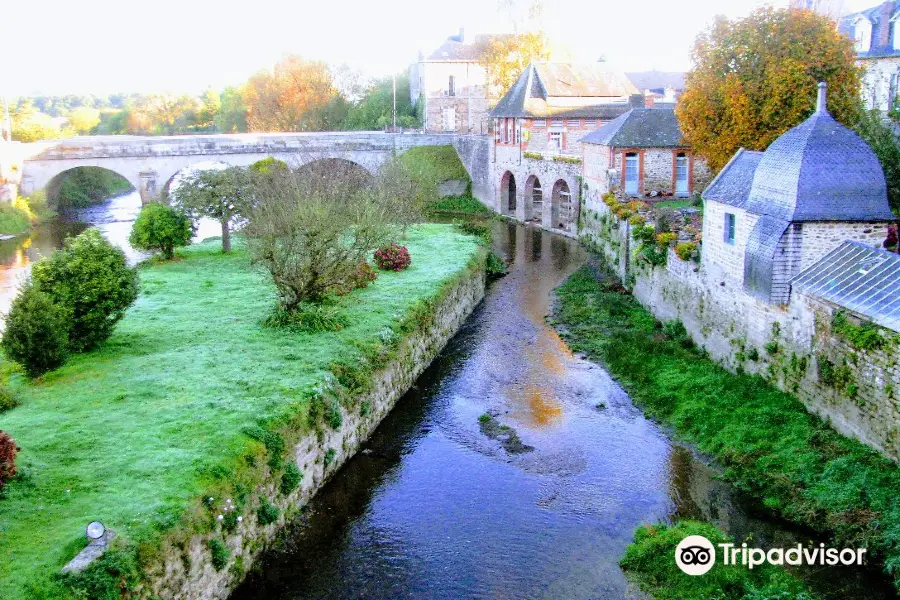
x=433 y=165
x=795 y=464
x=136 y=433
x=23 y=214
x=648 y=562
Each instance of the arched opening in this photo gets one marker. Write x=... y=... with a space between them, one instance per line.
x=534 y=199
x=561 y=206
x=508 y=194
x=84 y=187
x=338 y=170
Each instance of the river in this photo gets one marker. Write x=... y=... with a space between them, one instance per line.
x=114 y=218
x=432 y=507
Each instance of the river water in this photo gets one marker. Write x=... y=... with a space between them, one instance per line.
x=433 y=507
x=114 y=218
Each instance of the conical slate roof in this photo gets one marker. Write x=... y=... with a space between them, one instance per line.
x=820 y=171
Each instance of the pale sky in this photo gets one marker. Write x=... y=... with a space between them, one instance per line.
x=105 y=46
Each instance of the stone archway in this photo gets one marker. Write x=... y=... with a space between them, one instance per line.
x=534 y=199
x=508 y=194
x=93 y=185
x=561 y=212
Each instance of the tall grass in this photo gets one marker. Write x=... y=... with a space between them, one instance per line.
x=794 y=463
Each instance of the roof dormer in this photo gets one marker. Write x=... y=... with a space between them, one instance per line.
x=862 y=33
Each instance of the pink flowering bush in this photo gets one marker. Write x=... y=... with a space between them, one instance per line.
x=392 y=257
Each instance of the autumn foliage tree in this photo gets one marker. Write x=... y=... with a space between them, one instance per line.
x=505 y=57
x=755 y=78
x=295 y=96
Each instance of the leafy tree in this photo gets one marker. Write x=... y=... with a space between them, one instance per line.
x=291 y=97
x=232 y=114
x=505 y=58
x=89 y=278
x=267 y=165
x=83 y=120
x=755 y=78
x=217 y=194
x=211 y=103
x=374 y=110
x=30 y=125
x=169 y=114
x=161 y=228
x=37 y=332
x=884 y=141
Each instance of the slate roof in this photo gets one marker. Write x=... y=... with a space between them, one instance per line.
x=732 y=185
x=862 y=279
x=602 y=91
x=820 y=171
x=880 y=19
x=657 y=81
x=453 y=50
x=640 y=128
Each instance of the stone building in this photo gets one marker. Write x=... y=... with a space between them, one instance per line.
x=536 y=159
x=552 y=105
x=642 y=152
x=815 y=187
x=791 y=272
x=877 y=44
x=452 y=84
x=660 y=88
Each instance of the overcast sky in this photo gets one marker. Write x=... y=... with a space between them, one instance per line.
x=104 y=46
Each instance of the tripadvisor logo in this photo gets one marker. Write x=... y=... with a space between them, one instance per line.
x=696 y=555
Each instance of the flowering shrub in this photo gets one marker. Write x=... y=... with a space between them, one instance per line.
x=890 y=242
x=363 y=276
x=666 y=239
x=686 y=250
x=8 y=450
x=392 y=257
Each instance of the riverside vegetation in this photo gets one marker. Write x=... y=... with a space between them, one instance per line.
x=225 y=362
x=771 y=447
x=177 y=404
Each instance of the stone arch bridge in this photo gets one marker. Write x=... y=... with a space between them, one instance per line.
x=150 y=163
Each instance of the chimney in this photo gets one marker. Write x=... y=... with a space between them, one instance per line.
x=882 y=38
x=649 y=101
x=821 y=100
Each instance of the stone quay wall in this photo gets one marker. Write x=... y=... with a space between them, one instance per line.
x=797 y=347
x=186 y=572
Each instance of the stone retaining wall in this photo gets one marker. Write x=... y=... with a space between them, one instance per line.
x=186 y=571
x=793 y=346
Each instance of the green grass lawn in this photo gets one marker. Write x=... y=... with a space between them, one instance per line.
x=130 y=434
x=795 y=464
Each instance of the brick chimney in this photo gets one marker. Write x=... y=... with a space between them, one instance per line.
x=883 y=35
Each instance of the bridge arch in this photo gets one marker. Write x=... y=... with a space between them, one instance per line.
x=92 y=181
x=508 y=194
x=561 y=207
x=173 y=180
x=534 y=199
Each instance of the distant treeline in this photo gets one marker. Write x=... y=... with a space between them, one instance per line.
x=297 y=95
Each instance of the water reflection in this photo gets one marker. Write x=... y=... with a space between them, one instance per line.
x=432 y=508
x=113 y=218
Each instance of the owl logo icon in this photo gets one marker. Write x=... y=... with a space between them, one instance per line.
x=695 y=555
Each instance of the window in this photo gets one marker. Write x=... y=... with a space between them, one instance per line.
x=449 y=115
x=509 y=131
x=518 y=131
x=498 y=130
x=590 y=124
x=729 y=228
x=681 y=174
x=862 y=34
x=632 y=173
x=576 y=123
x=540 y=123
x=556 y=140
x=451 y=86
x=556 y=123
x=894 y=32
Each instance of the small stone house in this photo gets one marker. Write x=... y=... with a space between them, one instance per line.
x=552 y=105
x=642 y=152
x=877 y=43
x=452 y=84
x=770 y=215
